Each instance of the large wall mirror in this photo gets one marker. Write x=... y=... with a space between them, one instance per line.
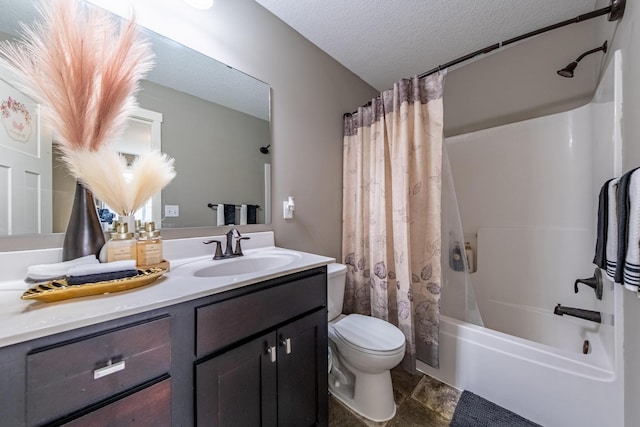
x=212 y=119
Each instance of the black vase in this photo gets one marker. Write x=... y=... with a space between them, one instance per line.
x=84 y=234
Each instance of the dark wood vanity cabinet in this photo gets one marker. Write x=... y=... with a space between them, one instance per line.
x=275 y=378
x=252 y=356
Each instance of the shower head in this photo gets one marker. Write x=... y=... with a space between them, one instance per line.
x=265 y=150
x=568 y=70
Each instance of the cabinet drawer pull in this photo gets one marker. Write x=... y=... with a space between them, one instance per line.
x=287 y=344
x=272 y=353
x=108 y=370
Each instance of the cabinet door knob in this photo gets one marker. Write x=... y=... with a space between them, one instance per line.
x=108 y=370
x=271 y=351
x=287 y=344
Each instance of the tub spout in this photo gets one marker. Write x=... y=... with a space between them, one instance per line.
x=593 y=316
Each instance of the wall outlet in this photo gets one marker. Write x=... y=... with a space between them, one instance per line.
x=171 y=210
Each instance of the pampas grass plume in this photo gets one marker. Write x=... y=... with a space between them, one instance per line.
x=151 y=171
x=104 y=173
x=83 y=68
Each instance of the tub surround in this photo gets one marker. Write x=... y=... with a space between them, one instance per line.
x=26 y=320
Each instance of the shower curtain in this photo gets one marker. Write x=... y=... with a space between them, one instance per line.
x=391 y=212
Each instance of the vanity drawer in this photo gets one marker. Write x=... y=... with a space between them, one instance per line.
x=223 y=323
x=148 y=407
x=76 y=374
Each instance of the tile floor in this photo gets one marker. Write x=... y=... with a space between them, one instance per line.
x=420 y=399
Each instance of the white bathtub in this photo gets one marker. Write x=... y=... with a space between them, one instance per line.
x=549 y=386
x=525 y=358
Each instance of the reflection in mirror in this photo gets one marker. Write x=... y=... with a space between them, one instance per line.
x=212 y=119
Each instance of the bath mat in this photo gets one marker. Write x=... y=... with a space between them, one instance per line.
x=474 y=411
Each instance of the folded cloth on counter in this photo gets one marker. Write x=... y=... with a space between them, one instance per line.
x=229 y=214
x=631 y=270
x=46 y=272
x=622 y=207
x=611 y=246
x=220 y=214
x=105 y=267
x=101 y=277
x=600 y=257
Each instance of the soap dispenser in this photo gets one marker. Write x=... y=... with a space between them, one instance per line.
x=455 y=258
x=149 y=245
x=288 y=206
x=121 y=246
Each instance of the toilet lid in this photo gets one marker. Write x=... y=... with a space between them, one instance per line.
x=369 y=333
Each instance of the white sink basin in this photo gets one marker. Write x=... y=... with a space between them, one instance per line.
x=245 y=265
x=252 y=263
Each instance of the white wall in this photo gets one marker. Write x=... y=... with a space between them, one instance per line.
x=528 y=205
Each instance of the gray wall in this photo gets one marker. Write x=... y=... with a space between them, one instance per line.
x=216 y=151
x=627 y=38
x=310 y=93
x=520 y=81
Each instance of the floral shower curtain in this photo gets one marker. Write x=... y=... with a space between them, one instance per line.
x=391 y=212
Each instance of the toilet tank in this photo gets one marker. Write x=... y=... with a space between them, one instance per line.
x=336 y=277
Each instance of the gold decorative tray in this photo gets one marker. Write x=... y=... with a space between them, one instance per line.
x=57 y=290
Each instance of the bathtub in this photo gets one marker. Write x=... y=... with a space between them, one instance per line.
x=524 y=357
x=527 y=194
x=547 y=385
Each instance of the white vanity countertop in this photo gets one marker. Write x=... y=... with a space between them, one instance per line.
x=22 y=320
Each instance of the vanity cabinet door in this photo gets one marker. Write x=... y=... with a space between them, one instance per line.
x=238 y=387
x=302 y=372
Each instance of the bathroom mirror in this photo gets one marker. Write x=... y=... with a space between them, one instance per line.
x=214 y=121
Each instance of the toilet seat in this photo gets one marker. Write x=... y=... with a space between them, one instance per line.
x=369 y=335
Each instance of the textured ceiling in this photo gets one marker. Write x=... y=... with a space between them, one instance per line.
x=383 y=41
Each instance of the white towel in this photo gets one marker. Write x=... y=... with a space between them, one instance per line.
x=105 y=267
x=612 y=230
x=220 y=214
x=632 y=257
x=243 y=214
x=45 y=272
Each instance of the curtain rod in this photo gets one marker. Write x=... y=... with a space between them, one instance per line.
x=615 y=11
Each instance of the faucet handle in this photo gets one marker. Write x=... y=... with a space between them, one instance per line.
x=218 y=254
x=238 y=251
x=594 y=282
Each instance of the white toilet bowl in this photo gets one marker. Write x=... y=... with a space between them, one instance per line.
x=364 y=349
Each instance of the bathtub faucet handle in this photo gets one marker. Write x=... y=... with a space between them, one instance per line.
x=594 y=282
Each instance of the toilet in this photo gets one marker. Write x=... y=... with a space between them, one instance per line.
x=363 y=350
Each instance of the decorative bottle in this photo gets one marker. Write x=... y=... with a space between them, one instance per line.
x=149 y=245
x=122 y=245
